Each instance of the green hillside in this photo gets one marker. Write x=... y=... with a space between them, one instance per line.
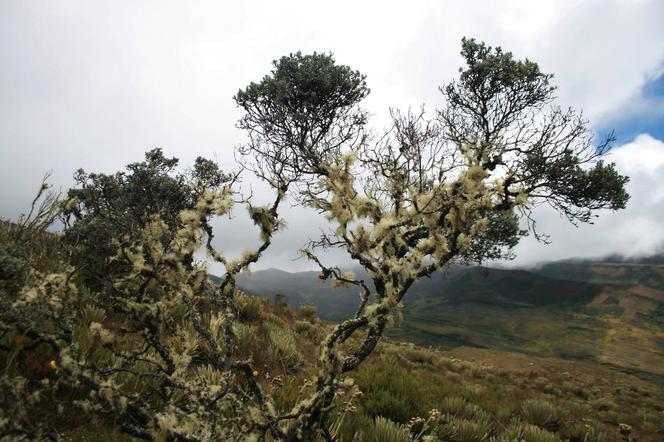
x=648 y=272
x=601 y=312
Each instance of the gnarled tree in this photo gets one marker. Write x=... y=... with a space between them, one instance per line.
x=427 y=193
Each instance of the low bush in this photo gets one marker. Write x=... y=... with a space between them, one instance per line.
x=307 y=312
x=250 y=308
x=541 y=413
x=282 y=347
x=463 y=430
x=384 y=430
x=528 y=433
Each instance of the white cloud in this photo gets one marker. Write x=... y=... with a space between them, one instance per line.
x=637 y=230
x=94 y=85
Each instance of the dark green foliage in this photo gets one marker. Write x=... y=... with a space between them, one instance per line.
x=390 y=394
x=498 y=84
x=13 y=268
x=280 y=300
x=499 y=106
x=302 y=114
x=305 y=87
x=116 y=206
x=578 y=191
x=501 y=236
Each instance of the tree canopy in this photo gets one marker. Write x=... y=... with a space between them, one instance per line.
x=105 y=209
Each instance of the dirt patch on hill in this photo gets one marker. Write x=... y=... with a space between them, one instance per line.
x=552 y=368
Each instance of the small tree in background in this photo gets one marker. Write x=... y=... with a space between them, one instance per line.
x=105 y=209
x=427 y=193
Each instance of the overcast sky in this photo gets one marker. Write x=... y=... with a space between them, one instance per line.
x=95 y=84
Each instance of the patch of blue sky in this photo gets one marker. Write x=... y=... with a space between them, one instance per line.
x=645 y=116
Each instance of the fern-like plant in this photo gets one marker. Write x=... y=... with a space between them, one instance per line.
x=541 y=413
x=384 y=430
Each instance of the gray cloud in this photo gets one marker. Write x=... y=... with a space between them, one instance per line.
x=94 y=85
x=637 y=230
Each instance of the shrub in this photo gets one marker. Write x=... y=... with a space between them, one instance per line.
x=602 y=404
x=282 y=346
x=541 y=413
x=107 y=208
x=390 y=394
x=448 y=364
x=419 y=355
x=584 y=431
x=250 y=308
x=302 y=327
x=209 y=375
x=541 y=382
x=463 y=430
x=307 y=312
x=310 y=331
x=13 y=268
x=273 y=320
x=454 y=405
x=384 y=430
x=306 y=140
x=245 y=337
x=473 y=391
x=504 y=414
x=528 y=433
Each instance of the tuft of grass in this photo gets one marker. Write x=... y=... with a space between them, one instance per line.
x=245 y=338
x=602 y=404
x=250 y=308
x=384 y=430
x=540 y=413
x=456 y=406
x=464 y=430
x=282 y=346
x=390 y=393
x=419 y=355
x=311 y=331
x=584 y=431
x=527 y=432
x=93 y=313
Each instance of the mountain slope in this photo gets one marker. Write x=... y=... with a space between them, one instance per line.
x=648 y=272
x=611 y=313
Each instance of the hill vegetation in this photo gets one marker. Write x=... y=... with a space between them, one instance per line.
x=404 y=392
x=602 y=312
x=118 y=320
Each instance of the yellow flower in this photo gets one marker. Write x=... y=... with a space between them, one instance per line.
x=53 y=364
x=255 y=373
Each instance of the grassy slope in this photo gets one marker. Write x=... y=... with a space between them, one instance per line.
x=611 y=313
x=586 y=396
x=401 y=381
x=619 y=325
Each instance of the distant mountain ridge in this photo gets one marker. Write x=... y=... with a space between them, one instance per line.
x=648 y=271
x=492 y=286
x=609 y=311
